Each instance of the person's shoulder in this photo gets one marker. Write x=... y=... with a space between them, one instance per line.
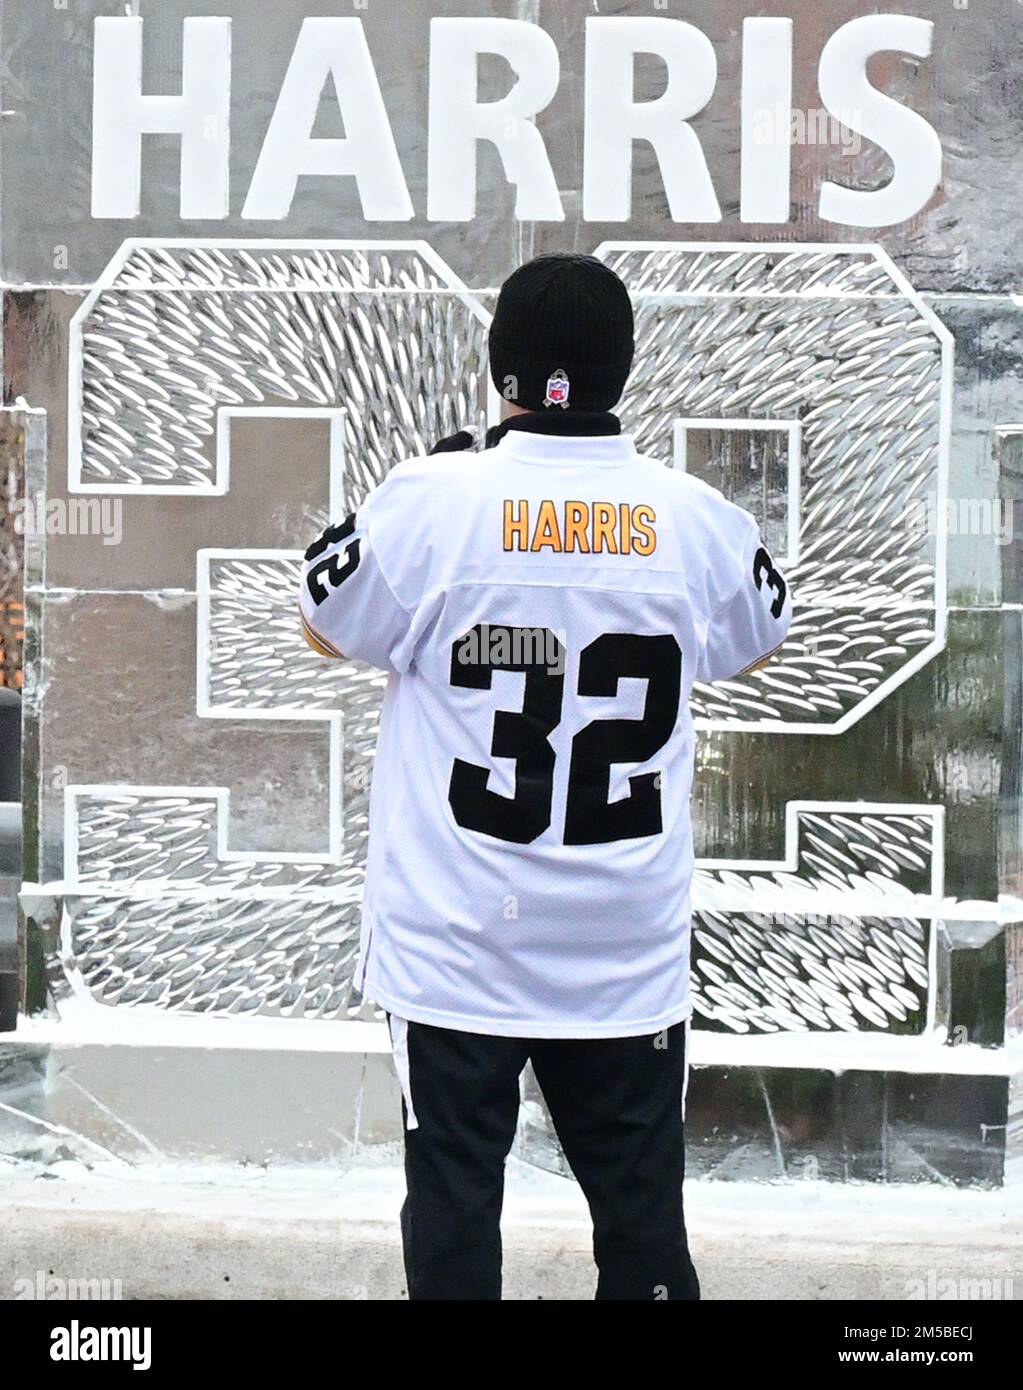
x=418 y=470
x=420 y=480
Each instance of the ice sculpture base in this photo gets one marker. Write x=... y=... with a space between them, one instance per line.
x=173 y=1089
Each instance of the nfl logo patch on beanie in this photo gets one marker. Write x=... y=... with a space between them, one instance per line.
x=557 y=390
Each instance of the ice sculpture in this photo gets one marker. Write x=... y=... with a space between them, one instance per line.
x=196 y=780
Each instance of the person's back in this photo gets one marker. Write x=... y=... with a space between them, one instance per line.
x=530 y=837
x=544 y=607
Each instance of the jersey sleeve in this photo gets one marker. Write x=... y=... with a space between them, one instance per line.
x=753 y=621
x=347 y=606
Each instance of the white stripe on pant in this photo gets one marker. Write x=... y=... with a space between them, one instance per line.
x=398 y=1028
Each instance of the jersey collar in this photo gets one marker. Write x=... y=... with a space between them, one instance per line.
x=593 y=435
x=560 y=422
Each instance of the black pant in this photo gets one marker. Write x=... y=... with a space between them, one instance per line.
x=616 y=1104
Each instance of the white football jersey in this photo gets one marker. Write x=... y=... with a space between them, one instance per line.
x=543 y=609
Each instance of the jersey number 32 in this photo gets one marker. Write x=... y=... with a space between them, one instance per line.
x=590 y=819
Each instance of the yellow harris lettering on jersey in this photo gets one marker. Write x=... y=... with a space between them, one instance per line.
x=581 y=528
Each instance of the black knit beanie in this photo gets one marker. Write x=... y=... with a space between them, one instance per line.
x=562 y=335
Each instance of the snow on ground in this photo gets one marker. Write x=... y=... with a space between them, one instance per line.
x=370 y=1191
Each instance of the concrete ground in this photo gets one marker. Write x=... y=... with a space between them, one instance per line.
x=170 y=1232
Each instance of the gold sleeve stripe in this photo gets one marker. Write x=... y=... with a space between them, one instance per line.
x=763 y=661
x=318 y=642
